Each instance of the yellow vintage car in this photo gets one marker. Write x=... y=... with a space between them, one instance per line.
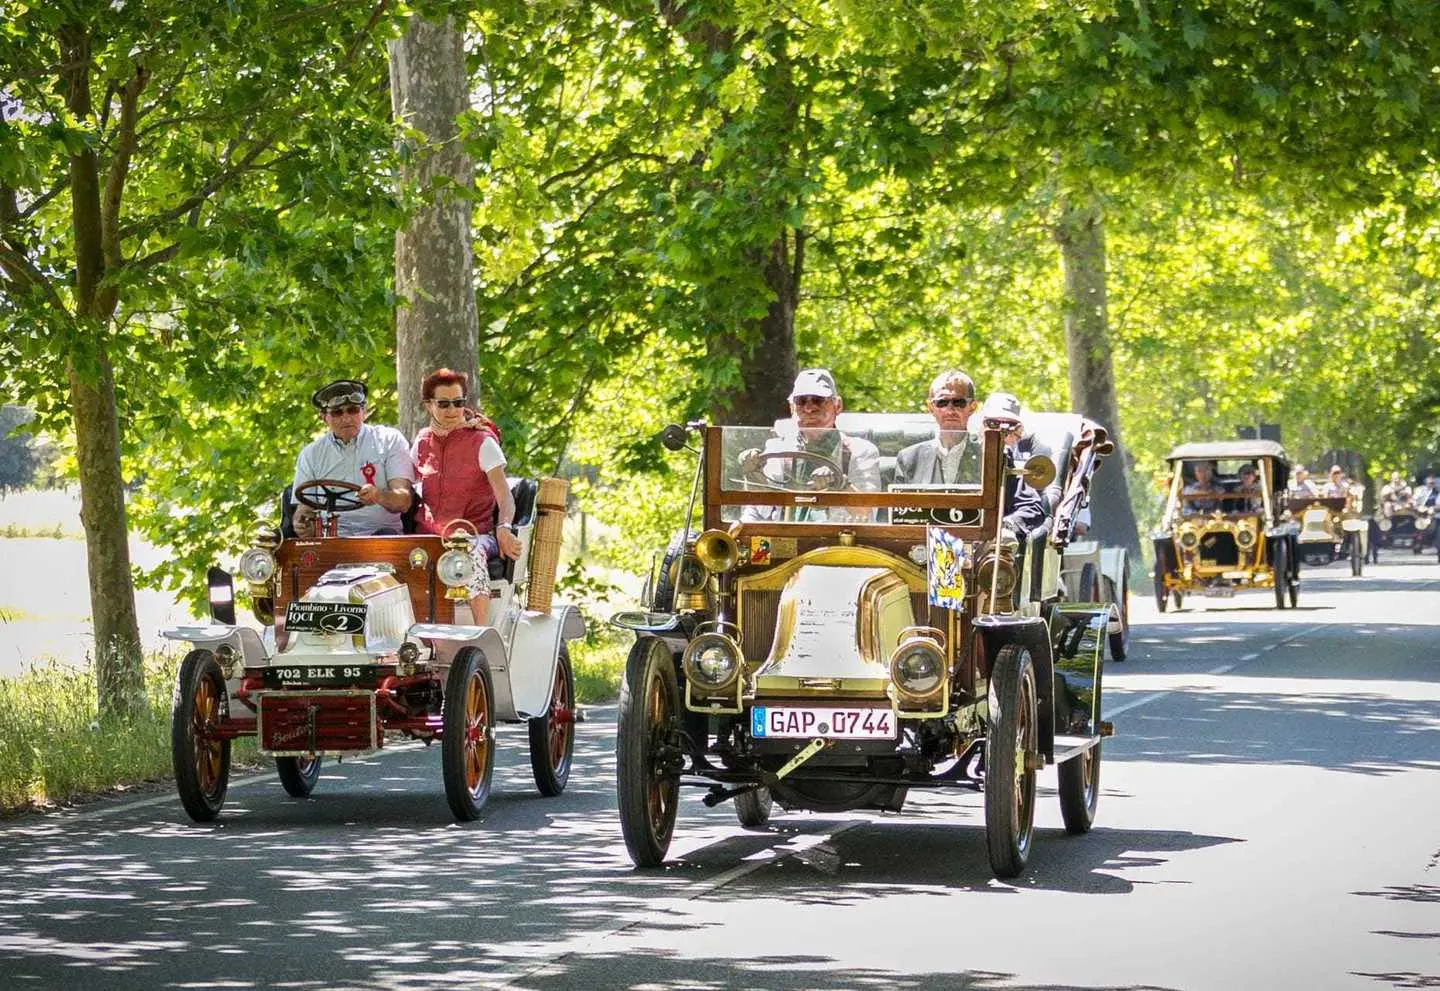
x=1223 y=532
x=826 y=642
x=1331 y=528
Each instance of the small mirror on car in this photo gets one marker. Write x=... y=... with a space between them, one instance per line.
x=673 y=437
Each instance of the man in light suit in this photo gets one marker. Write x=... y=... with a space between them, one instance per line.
x=953 y=455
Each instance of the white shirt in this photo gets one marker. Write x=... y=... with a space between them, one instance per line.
x=381 y=449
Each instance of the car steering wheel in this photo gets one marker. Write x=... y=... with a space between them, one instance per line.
x=819 y=460
x=329 y=495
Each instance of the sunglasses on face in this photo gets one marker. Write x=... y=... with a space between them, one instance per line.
x=350 y=410
x=449 y=403
x=945 y=402
x=810 y=400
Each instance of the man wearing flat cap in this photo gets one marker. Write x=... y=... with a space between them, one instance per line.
x=373 y=457
x=814 y=404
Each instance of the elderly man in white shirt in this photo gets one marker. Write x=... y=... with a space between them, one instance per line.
x=374 y=458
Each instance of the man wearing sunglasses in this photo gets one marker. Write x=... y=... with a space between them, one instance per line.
x=376 y=458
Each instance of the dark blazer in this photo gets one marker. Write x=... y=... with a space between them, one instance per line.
x=1025 y=511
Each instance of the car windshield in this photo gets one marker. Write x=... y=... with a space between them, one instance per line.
x=859 y=471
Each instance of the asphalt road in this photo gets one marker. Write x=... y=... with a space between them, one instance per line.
x=1269 y=818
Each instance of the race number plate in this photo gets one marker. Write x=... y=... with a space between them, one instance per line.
x=315 y=675
x=910 y=515
x=325 y=617
x=772 y=722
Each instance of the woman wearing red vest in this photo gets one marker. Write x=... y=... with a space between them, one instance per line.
x=460 y=470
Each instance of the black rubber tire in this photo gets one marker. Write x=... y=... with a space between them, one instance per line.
x=1089 y=584
x=1080 y=790
x=1009 y=786
x=752 y=809
x=1120 y=642
x=467 y=744
x=1357 y=556
x=202 y=767
x=648 y=753
x=298 y=775
x=1177 y=599
x=662 y=599
x=1281 y=564
x=1161 y=597
x=552 y=736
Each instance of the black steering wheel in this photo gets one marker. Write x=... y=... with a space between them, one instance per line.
x=818 y=460
x=329 y=495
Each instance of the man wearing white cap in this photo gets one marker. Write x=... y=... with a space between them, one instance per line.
x=1005 y=409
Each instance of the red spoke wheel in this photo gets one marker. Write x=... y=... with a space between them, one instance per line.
x=298 y=774
x=552 y=736
x=201 y=759
x=467 y=751
x=648 y=755
x=1014 y=733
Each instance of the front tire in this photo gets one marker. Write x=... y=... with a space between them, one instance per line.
x=201 y=762
x=1080 y=791
x=1281 y=564
x=648 y=752
x=1357 y=556
x=1013 y=735
x=1120 y=642
x=298 y=775
x=552 y=736
x=753 y=808
x=467 y=745
x=1162 y=597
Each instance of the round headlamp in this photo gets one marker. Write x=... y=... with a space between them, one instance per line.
x=455 y=568
x=257 y=565
x=711 y=661
x=917 y=669
x=1385 y=525
x=1245 y=538
x=1421 y=522
x=1189 y=540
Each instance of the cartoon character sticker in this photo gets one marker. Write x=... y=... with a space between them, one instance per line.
x=944 y=570
x=759 y=550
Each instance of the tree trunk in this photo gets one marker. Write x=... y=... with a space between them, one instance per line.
x=1081 y=234
x=766 y=349
x=119 y=674
x=436 y=323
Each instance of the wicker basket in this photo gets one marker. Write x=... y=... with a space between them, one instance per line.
x=545 y=542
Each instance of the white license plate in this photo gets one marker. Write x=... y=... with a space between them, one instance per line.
x=773 y=722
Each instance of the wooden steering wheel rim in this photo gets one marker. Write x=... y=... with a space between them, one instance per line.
x=340 y=493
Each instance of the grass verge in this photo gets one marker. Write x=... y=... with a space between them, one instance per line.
x=54 y=747
x=13 y=531
x=599 y=663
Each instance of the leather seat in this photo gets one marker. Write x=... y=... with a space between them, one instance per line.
x=523 y=491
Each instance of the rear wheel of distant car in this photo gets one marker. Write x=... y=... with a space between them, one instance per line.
x=1281 y=564
x=1012 y=739
x=753 y=808
x=1162 y=597
x=467 y=751
x=201 y=760
x=1080 y=790
x=1120 y=641
x=648 y=754
x=298 y=774
x=552 y=736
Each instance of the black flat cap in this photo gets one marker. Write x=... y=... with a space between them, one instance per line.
x=341 y=392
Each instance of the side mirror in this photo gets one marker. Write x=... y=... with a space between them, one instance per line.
x=673 y=437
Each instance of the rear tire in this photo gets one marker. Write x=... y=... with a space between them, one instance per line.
x=753 y=808
x=1089 y=584
x=298 y=774
x=1281 y=564
x=1120 y=642
x=467 y=751
x=1357 y=556
x=1009 y=784
x=1080 y=791
x=201 y=763
x=552 y=736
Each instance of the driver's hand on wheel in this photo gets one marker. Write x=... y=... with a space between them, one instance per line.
x=750 y=460
x=368 y=494
x=822 y=478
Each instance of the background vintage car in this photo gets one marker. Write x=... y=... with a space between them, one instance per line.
x=1216 y=544
x=797 y=649
x=369 y=638
x=1331 y=528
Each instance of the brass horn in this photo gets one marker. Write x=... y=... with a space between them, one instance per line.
x=717 y=550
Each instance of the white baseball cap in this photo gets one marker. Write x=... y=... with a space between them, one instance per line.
x=1001 y=406
x=814 y=382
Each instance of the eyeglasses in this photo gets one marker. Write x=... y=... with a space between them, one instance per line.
x=945 y=402
x=810 y=400
x=449 y=403
x=350 y=410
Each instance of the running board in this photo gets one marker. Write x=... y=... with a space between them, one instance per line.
x=1067 y=747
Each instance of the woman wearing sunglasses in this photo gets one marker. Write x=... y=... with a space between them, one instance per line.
x=461 y=472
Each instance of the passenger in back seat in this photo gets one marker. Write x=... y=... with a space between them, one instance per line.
x=1023 y=444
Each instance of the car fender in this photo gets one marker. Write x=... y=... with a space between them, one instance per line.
x=209 y=636
x=534 y=652
x=447 y=640
x=1033 y=633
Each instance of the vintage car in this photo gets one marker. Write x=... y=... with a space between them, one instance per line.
x=1331 y=528
x=1216 y=539
x=365 y=640
x=1407 y=523
x=826 y=648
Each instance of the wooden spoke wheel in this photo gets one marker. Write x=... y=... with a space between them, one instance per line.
x=648 y=752
x=201 y=759
x=552 y=736
x=1014 y=733
x=298 y=774
x=467 y=753
x=329 y=495
x=1080 y=790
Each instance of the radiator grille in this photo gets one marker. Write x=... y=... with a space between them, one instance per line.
x=758 y=611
